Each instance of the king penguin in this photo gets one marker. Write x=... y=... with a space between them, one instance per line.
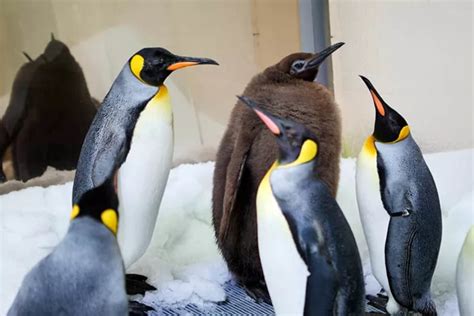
x=133 y=132
x=309 y=255
x=399 y=209
x=84 y=274
x=465 y=276
x=247 y=150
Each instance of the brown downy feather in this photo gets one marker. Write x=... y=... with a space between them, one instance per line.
x=248 y=149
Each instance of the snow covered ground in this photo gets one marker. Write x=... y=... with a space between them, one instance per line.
x=183 y=261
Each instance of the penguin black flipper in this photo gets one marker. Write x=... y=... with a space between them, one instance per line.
x=323 y=284
x=109 y=158
x=396 y=197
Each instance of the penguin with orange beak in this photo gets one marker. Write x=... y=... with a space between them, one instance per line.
x=399 y=209
x=133 y=132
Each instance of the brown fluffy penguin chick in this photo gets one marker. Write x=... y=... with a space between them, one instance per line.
x=247 y=151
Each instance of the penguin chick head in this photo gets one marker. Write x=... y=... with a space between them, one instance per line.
x=153 y=65
x=390 y=127
x=305 y=66
x=100 y=203
x=297 y=144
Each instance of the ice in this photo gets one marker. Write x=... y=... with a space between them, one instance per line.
x=183 y=261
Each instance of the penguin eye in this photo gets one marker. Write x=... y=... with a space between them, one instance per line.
x=298 y=65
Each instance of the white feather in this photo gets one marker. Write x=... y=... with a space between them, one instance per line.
x=284 y=271
x=142 y=178
x=374 y=219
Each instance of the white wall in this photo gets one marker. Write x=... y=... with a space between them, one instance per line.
x=419 y=55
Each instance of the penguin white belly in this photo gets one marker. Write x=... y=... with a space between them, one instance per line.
x=284 y=271
x=373 y=216
x=465 y=276
x=143 y=176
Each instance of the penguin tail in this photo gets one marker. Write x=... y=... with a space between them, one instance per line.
x=425 y=306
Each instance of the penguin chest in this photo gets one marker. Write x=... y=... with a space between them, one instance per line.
x=142 y=179
x=284 y=270
x=373 y=216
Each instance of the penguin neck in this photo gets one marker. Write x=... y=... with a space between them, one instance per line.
x=108 y=218
x=129 y=92
x=285 y=180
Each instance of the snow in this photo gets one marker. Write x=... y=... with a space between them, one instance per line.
x=183 y=261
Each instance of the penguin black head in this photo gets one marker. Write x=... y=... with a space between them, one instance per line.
x=153 y=65
x=389 y=125
x=100 y=203
x=305 y=66
x=296 y=143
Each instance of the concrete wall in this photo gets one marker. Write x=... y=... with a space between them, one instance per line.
x=244 y=36
x=419 y=55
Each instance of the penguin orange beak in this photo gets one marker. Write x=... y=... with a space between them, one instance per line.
x=378 y=101
x=266 y=118
x=183 y=62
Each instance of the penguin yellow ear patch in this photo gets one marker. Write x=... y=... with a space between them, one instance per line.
x=109 y=218
x=75 y=211
x=403 y=133
x=308 y=151
x=136 y=65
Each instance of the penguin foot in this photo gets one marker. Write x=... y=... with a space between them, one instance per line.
x=379 y=302
x=258 y=293
x=138 y=309
x=136 y=284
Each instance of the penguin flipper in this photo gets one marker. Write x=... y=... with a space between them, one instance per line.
x=109 y=158
x=396 y=197
x=322 y=286
x=234 y=177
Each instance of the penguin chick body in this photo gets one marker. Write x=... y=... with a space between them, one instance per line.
x=309 y=255
x=133 y=131
x=84 y=274
x=465 y=275
x=400 y=211
x=247 y=151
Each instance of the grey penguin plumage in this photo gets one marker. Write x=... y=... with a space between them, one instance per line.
x=133 y=134
x=296 y=208
x=247 y=150
x=84 y=274
x=48 y=115
x=407 y=193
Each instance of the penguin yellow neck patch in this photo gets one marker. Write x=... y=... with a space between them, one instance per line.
x=307 y=153
x=369 y=146
x=110 y=219
x=75 y=211
x=136 y=66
